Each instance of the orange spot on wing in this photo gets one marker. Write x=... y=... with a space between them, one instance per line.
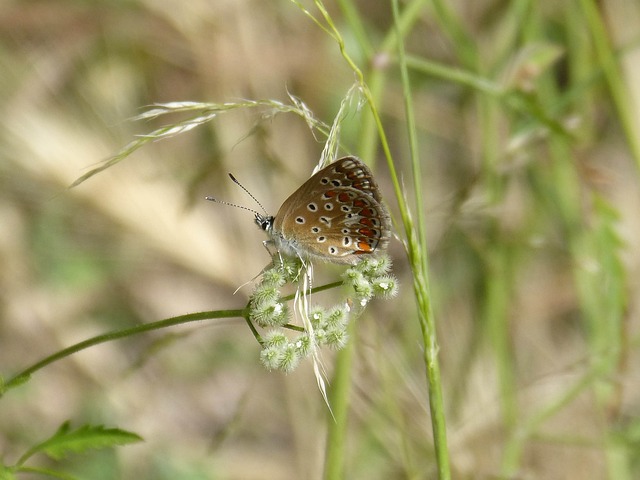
x=363 y=247
x=367 y=212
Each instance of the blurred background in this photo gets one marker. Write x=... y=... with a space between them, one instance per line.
x=532 y=220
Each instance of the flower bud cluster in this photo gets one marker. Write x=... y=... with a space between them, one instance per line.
x=266 y=307
x=328 y=327
x=371 y=278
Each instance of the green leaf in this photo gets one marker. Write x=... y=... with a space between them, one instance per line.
x=66 y=441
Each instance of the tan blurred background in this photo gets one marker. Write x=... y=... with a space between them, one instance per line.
x=137 y=243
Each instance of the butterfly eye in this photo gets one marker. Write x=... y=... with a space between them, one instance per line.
x=312 y=207
x=300 y=220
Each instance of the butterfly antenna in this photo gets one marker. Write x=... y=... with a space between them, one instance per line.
x=235 y=180
x=222 y=202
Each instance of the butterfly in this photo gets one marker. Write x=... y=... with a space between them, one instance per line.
x=337 y=215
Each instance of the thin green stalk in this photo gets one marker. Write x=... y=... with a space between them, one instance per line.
x=418 y=263
x=339 y=401
x=455 y=75
x=24 y=375
x=368 y=137
x=499 y=289
x=420 y=267
x=515 y=100
x=377 y=74
x=353 y=18
x=601 y=293
x=460 y=40
x=411 y=131
x=497 y=258
x=609 y=64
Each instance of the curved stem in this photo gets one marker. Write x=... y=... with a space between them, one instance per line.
x=24 y=375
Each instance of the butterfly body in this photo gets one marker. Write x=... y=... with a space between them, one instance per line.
x=337 y=216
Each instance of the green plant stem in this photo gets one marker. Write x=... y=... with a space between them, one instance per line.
x=377 y=74
x=601 y=295
x=420 y=266
x=464 y=45
x=513 y=99
x=495 y=313
x=24 y=375
x=411 y=130
x=339 y=401
x=418 y=262
x=498 y=258
x=314 y=290
x=415 y=251
x=610 y=67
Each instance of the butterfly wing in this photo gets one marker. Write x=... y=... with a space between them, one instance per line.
x=337 y=215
